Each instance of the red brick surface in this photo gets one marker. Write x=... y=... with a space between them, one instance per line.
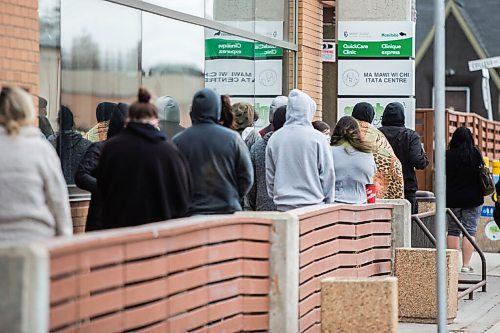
x=19 y=50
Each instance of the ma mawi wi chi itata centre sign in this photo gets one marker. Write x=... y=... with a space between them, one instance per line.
x=376 y=78
x=376 y=39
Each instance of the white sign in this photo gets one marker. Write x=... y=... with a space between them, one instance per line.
x=328 y=51
x=244 y=77
x=376 y=77
x=476 y=65
x=345 y=107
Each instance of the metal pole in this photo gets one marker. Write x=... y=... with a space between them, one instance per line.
x=440 y=157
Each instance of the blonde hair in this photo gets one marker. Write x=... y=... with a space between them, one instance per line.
x=16 y=109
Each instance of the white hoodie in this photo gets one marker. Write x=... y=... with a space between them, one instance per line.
x=299 y=165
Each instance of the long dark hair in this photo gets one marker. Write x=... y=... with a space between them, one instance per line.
x=347 y=130
x=462 y=143
x=227 y=114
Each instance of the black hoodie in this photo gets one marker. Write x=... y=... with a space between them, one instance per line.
x=406 y=145
x=142 y=178
x=218 y=158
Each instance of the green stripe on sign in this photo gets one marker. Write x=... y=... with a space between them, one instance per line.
x=380 y=49
x=226 y=48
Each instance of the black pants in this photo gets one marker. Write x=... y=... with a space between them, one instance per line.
x=413 y=201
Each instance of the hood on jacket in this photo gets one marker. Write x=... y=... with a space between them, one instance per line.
x=300 y=108
x=117 y=121
x=394 y=115
x=104 y=111
x=275 y=104
x=364 y=112
x=206 y=107
x=147 y=131
x=244 y=114
x=168 y=109
x=279 y=118
x=65 y=119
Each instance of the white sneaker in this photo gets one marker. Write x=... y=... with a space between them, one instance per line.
x=467 y=269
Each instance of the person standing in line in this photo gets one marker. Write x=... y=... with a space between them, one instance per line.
x=85 y=177
x=170 y=115
x=354 y=163
x=464 y=194
x=323 y=128
x=258 y=198
x=141 y=176
x=275 y=104
x=299 y=165
x=244 y=115
x=103 y=115
x=389 y=176
x=407 y=146
x=227 y=114
x=218 y=159
x=43 y=121
x=69 y=144
x=34 y=201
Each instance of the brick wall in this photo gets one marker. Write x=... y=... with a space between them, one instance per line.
x=19 y=43
x=79 y=210
x=310 y=33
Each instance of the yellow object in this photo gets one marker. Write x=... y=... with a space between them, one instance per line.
x=496 y=167
x=486 y=160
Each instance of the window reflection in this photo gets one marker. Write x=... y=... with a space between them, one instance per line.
x=173 y=63
x=100 y=63
x=263 y=17
x=50 y=58
x=248 y=71
x=191 y=7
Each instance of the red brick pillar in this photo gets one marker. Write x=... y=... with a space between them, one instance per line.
x=19 y=52
x=310 y=34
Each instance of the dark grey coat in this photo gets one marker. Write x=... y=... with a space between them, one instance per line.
x=257 y=198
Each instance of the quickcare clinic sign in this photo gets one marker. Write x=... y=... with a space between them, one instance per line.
x=376 y=39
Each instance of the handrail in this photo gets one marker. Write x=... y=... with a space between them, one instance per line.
x=476 y=284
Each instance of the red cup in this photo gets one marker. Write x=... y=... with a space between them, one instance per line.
x=371 y=193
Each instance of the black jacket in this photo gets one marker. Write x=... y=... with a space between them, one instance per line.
x=142 y=178
x=406 y=145
x=218 y=158
x=86 y=178
x=463 y=187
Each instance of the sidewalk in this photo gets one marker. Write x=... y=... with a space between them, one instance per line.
x=481 y=315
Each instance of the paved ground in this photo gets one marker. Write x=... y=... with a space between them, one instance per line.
x=481 y=315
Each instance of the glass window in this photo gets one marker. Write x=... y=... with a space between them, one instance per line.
x=246 y=70
x=172 y=63
x=263 y=17
x=100 y=63
x=50 y=59
x=96 y=51
x=191 y=7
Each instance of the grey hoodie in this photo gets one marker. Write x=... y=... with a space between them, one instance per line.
x=299 y=165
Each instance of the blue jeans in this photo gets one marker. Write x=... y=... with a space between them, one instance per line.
x=469 y=218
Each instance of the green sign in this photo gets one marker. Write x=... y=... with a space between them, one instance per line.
x=400 y=48
x=226 y=48
x=376 y=39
